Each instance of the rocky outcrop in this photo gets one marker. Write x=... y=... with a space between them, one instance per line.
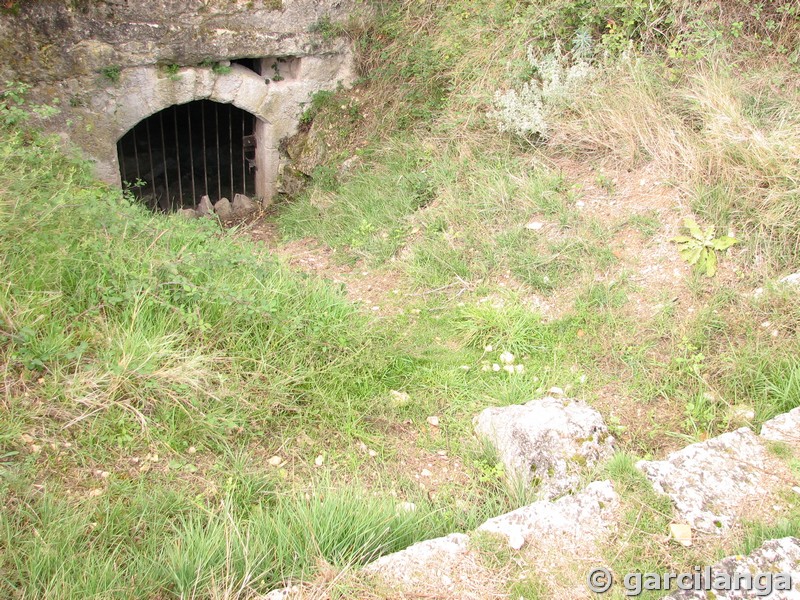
x=438 y=561
x=710 y=481
x=570 y=522
x=546 y=443
x=754 y=575
x=783 y=428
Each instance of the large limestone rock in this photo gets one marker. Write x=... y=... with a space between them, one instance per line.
x=436 y=563
x=783 y=428
x=772 y=558
x=709 y=482
x=569 y=524
x=546 y=442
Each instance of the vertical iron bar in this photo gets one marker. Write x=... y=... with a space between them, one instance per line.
x=152 y=168
x=205 y=171
x=178 y=155
x=121 y=159
x=244 y=159
x=191 y=150
x=164 y=158
x=219 y=157
x=136 y=154
x=230 y=143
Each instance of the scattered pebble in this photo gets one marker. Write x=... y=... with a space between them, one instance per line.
x=555 y=391
x=319 y=461
x=425 y=473
x=275 y=461
x=406 y=507
x=534 y=225
x=681 y=533
x=192 y=450
x=372 y=453
x=433 y=421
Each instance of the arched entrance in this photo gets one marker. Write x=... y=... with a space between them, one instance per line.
x=173 y=157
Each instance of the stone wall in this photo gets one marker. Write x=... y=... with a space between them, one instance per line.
x=108 y=64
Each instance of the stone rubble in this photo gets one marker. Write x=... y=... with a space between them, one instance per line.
x=547 y=442
x=223 y=209
x=709 y=482
x=242 y=206
x=205 y=208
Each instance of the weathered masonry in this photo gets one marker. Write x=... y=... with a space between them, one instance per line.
x=178 y=98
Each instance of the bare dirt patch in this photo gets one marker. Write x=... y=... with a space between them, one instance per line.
x=377 y=290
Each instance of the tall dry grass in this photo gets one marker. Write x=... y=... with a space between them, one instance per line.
x=728 y=136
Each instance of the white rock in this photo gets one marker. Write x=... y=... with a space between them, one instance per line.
x=283 y=594
x=430 y=560
x=319 y=461
x=275 y=461
x=548 y=441
x=793 y=279
x=709 y=481
x=570 y=520
x=681 y=533
x=783 y=428
x=406 y=507
x=433 y=421
x=772 y=557
x=534 y=225
x=556 y=391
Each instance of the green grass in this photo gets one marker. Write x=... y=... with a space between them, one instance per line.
x=139 y=540
x=124 y=335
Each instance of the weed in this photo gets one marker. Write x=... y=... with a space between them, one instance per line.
x=112 y=73
x=701 y=247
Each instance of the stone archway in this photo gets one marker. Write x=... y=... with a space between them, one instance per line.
x=146 y=91
x=276 y=104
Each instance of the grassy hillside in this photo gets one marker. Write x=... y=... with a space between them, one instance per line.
x=188 y=414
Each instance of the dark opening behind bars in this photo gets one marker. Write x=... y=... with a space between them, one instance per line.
x=187 y=151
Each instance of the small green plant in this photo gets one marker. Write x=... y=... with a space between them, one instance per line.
x=172 y=71
x=277 y=76
x=112 y=73
x=700 y=247
x=327 y=28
